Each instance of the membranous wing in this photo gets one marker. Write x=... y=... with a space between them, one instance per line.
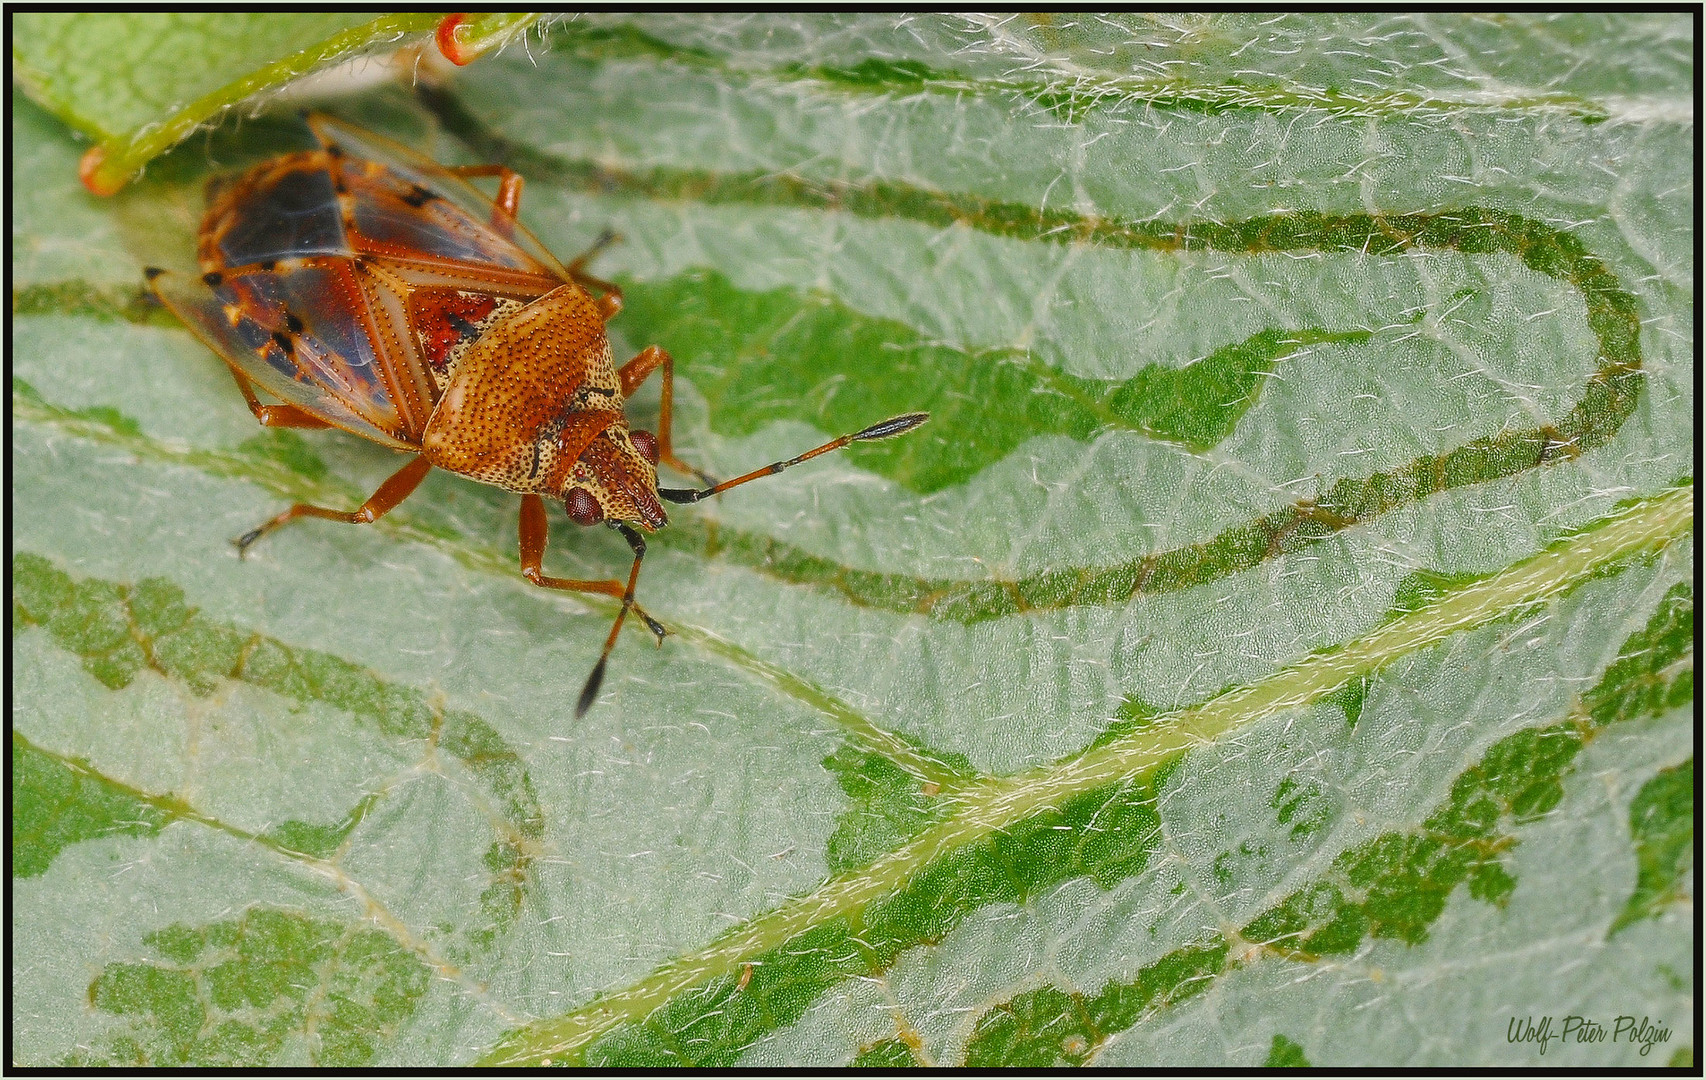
x=349 y=280
x=405 y=206
x=243 y=319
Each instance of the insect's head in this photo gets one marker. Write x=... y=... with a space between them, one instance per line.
x=616 y=479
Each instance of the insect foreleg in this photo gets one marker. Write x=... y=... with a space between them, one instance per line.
x=632 y=374
x=534 y=531
x=589 y=692
x=390 y=493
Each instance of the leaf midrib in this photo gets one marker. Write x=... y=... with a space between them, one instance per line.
x=997 y=803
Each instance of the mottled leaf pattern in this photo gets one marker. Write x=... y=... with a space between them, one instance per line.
x=1277 y=650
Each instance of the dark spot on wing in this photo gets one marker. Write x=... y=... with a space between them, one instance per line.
x=418 y=196
x=212 y=278
x=292 y=323
x=268 y=264
x=463 y=326
x=283 y=341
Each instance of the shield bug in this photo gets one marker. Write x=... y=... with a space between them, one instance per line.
x=369 y=289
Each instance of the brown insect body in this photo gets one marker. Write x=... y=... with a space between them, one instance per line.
x=502 y=418
x=369 y=289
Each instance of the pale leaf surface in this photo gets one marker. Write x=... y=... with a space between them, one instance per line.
x=1277 y=649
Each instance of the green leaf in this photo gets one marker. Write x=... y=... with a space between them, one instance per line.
x=138 y=83
x=1662 y=819
x=1285 y=616
x=60 y=803
x=1285 y=1054
x=236 y=992
x=889 y=806
x=759 y=356
x=886 y=1054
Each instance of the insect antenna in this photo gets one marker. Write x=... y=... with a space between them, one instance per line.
x=589 y=692
x=888 y=429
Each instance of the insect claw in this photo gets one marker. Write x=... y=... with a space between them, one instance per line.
x=655 y=627
x=242 y=542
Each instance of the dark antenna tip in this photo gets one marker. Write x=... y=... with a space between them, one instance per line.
x=888 y=429
x=589 y=692
x=894 y=425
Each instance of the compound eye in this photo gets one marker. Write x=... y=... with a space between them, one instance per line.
x=646 y=443
x=583 y=507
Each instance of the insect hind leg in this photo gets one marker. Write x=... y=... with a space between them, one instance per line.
x=280 y=416
x=393 y=491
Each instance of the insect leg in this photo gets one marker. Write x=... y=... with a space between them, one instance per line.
x=610 y=303
x=589 y=692
x=275 y=415
x=632 y=374
x=508 y=202
x=390 y=493
x=534 y=531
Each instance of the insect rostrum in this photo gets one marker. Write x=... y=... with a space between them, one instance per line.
x=369 y=289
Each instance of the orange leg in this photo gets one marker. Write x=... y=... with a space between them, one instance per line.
x=390 y=493
x=508 y=202
x=534 y=531
x=611 y=301
x=275 y=415
x=632 y=374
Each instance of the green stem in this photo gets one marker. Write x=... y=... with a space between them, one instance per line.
x=117 y=158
